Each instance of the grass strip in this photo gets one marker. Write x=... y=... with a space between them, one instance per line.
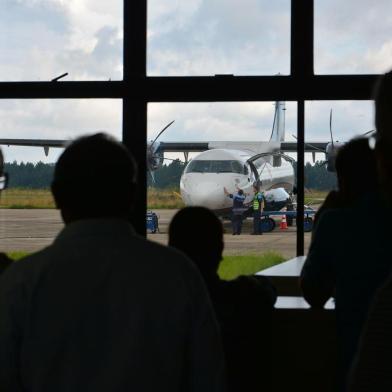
x=230 y=267
x=233 y=266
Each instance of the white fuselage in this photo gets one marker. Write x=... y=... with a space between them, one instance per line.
x=206 y=176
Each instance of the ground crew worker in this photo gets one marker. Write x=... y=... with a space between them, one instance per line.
x=238 y=209
x=257 y=206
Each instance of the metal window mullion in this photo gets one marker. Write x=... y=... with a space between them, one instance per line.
x=135 y=101
x=302 y=37
x=201 y=89
x=302 y=70
x=300 y=176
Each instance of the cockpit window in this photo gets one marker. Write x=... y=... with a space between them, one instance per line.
x=199 y=166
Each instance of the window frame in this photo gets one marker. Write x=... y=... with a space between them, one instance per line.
x=137 y=89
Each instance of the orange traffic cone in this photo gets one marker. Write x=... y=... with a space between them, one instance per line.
x=283 y=223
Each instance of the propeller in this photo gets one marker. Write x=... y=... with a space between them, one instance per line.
x=153 y=159
x=369 y=132
x=330 y=128
x=160 y=133
x=310 y=145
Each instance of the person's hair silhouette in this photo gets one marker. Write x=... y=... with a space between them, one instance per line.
x=356 y=171
x=243 y=305
x=372 y=370
x=356 y=168
x=128 y=314
x=94 y=177
x=198 y=232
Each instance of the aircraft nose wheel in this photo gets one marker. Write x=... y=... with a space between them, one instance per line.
x=267 y=225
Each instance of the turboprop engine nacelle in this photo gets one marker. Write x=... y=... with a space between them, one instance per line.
x=154 y=156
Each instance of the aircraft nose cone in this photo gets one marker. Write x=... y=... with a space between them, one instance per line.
x=207 y=194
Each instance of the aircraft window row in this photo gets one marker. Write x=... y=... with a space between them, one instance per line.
x=199 y=166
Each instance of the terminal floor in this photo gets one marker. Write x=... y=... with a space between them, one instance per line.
x=30 y=230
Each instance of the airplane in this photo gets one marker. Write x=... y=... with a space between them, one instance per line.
x=233 y=165
x=226 y=164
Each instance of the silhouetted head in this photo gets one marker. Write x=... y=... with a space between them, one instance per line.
x=356 y=168
x=383 y=109
x=198 y=233
x=94 y=177
x=240 y=192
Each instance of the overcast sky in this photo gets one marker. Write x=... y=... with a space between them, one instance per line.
x=41 y=39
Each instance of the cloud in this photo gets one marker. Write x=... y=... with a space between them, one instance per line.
x=353 y=36
x=217 y=120
x=219 y=36
x=56 y=119
x=40 y=39
x=43 y=38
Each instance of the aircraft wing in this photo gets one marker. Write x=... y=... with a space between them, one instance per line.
x=251 y=146
x=34 y=142
x=309 y=147
x=257 y=147
x=183 y=146
x=45 y=143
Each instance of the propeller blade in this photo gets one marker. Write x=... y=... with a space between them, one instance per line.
x=369 y=132
x=160 y=133
x=330 y=127
x=310 y=145
x=152 y=176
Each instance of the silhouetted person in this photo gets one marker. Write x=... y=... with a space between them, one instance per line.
x=5 y=261
x=372 y=370
x=349 y=255
x=356 y=172
x=103 y=309
x=243 y=305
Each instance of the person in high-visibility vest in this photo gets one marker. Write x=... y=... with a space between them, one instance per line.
x=258 y=206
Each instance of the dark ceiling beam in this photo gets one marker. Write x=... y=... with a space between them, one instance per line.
x=203 y=89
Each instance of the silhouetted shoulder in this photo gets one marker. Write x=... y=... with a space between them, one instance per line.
x=24 y=267
x=248 y=292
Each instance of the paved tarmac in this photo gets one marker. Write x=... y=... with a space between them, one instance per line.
x=31 y=230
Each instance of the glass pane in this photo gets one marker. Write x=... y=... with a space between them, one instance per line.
x=42 y=39
x=350 y=119
x=228 y=136
x=208 y=37
x=353 y=36
x=28 y=220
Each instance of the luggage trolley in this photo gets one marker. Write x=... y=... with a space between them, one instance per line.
x=268 y=223
x=152 y=224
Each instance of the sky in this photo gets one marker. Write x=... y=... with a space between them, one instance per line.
x=41 y=39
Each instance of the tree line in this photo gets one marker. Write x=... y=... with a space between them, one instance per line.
x=29 y=175
x=39 y=175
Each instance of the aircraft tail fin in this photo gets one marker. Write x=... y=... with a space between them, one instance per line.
x=278 y=127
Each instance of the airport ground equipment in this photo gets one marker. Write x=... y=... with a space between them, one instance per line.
x=152 y=222
x=268 y=222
